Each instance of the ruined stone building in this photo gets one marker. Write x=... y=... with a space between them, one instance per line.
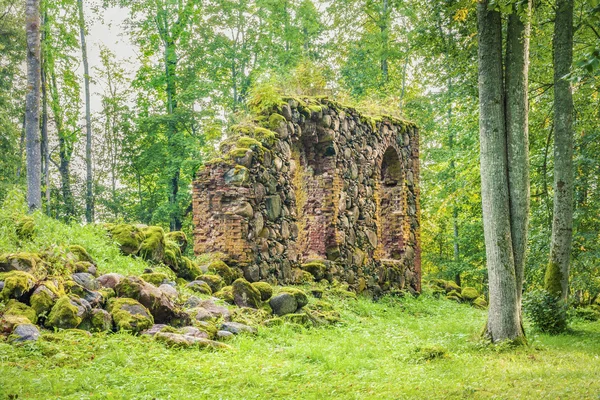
x=313 y=186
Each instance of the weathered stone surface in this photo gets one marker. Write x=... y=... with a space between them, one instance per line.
x=283 y=304
x=130 y=315
x=245 y=295
x=236 y=328
x=199 y=286
x=207 y=310
x=109 y=280
x=168 y=290
x=161 y=306
x=24 y=333
x=181 y=340
x=86 y=280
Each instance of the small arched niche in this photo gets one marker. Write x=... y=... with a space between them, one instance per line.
x=391 y=213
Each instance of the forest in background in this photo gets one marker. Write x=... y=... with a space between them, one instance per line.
x=202 y=63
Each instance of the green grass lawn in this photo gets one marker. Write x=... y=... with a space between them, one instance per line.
x=393 y=349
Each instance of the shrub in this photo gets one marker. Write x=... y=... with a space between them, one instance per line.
x=548 y=313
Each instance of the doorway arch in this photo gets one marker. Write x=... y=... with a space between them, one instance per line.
x=391 y=206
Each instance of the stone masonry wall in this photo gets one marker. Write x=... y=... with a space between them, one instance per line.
x=310 y=181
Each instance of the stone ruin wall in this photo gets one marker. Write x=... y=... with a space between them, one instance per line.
x=326 y=184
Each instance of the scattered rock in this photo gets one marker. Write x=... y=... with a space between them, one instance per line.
x=86 y=280
x=236 y=328
x=200 y=287
x=244 y=294
x=67 y=313
x=155 y=278
x=299 y=295
x=180 y=340
x=130 y=315
x=208 y=310
x=168 y=290
x=220 y=268
x=24 y=333
x=129 y=237
x=109 y=280
x=17 y=284
x=266 y=290
x=17 y=308
x=215 y=282
x=224 y=335
x=283 y=303
x=469 y=294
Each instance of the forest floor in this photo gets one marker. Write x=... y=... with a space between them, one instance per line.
x=390 y=349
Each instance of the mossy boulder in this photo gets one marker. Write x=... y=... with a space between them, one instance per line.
x=84 y=266
x=199 y=286
x=25 y=228
x=266 y=290
x=283 y=303
x=184 y=341
x=179 y=238
x=129 y=237
x=81 y=254
x=454 y=293
x=450 y=286
x=155 y=278
x=17 y=284
x=469 y=294
x=245 y=295
x=130 y=315
x=86 y=280
x=24 y=333
x=187 y=269
x=9 y=322
x=26 y=262
x=14 y=307
x=67 y=313
x=45 y=295
x=223 y=270
x=299 y=295
x=298 y=318
x=480 y=303
x=99 y=320
x=215 y=282
x=316 y=269
x=225 y=294
x=160 y=305
x=109 y=280
x=153 y=246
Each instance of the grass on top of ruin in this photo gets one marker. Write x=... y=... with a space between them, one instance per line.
x=391 y=349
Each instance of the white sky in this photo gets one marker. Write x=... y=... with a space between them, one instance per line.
x=106 y=29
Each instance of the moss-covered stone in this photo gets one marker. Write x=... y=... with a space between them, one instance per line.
x=199 y=287
x=130 y=315
x=299 y=295
x=298 y=318
x=44 y=297
x=155 y=278
x=14 y=307
x=188 y=269
x=343 y=293
x=226 y=294
x=16 y=284
x=454 y=293
x=316 y=269
x=98 y=321
x=220 y=268
x=64 y=315
x=480 y=303
x=25 y=228
x=178 y=237
x=215 y=282
x=129 y=237
x=130 y=287
x=266 y=291
x=153 y=246
x=9 y=322
x=245 y=295
x=26 y=262
x=81 y=254
x=449 y=286
x=469 y=294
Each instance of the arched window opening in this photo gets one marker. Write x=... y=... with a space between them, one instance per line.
x=391 y=213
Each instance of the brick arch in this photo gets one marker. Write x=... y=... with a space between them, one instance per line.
x=391 y=202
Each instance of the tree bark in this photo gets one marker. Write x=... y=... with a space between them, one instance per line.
x=89 y=196
x=517 y=134
x=45 y=144
x=557 y=272
x=504 y=320
x=32 y=106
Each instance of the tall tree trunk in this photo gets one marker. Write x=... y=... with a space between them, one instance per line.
x=89 y=196
x=504 y=319
x=45 y=143
x=557 y=272
x=384 y=28
x=32 y=106
x=65 y=151
x=517 y=134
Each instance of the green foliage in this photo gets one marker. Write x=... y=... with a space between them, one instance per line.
x=548 y=313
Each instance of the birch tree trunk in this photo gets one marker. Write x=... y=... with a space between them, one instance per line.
x=557 y=272
x=89 y=196
x=32 y=106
